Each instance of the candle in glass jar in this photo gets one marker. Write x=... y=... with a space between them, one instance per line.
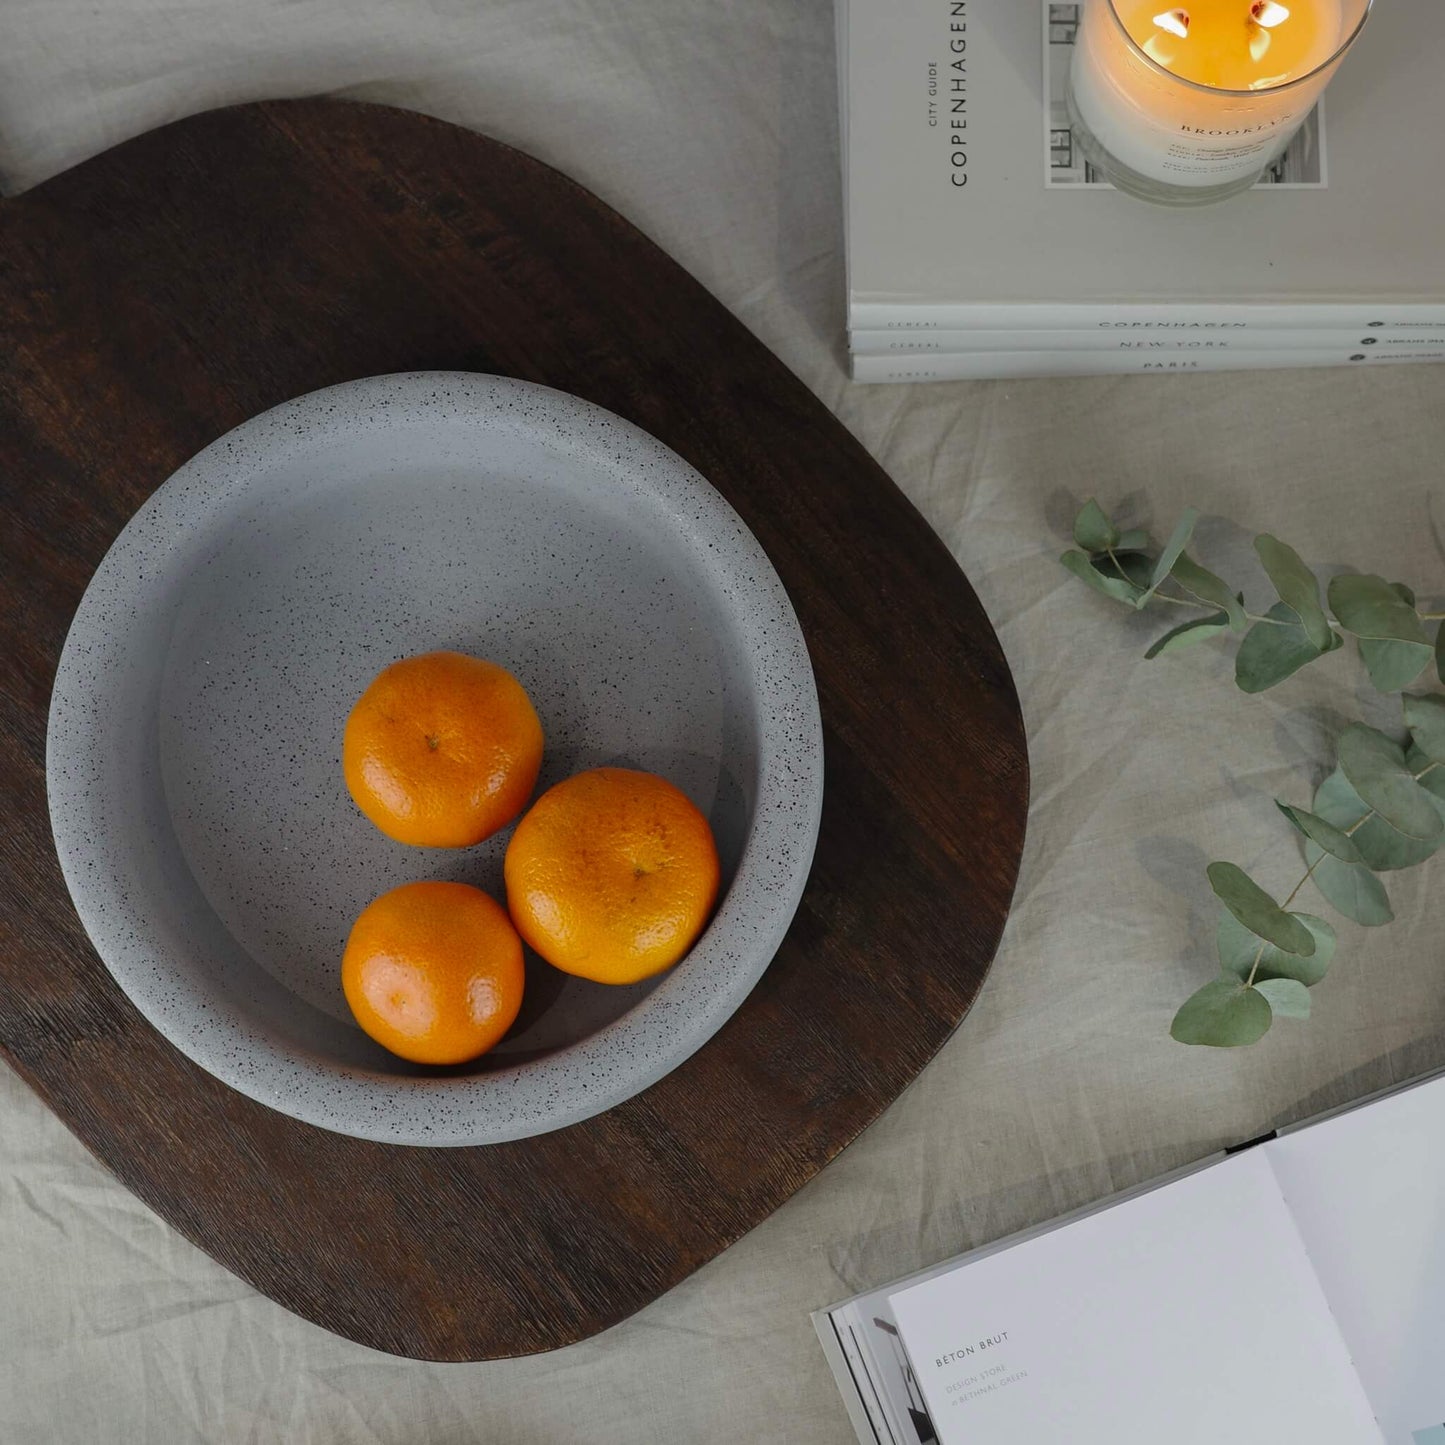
x=1206 y=93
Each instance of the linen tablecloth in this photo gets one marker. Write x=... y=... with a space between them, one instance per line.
x=713 y=128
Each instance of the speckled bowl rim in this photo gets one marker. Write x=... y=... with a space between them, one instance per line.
x=523 y=1100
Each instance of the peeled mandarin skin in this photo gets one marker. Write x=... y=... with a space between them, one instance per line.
x=442 y=750
x=433 y=972
x=612 y=875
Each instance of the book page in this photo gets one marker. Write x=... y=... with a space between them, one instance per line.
x=1367 y=1191
x=1188 y=1315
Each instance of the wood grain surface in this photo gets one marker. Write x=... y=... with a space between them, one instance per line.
x=155 y=297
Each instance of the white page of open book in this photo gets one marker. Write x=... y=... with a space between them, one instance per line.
x=1187 y=1316
x=1367 y=1191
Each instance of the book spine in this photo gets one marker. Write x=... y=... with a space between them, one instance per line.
x=1000 y=365
x=1050 y=316
x=1384 y=342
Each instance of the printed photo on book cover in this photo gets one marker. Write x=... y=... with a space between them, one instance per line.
x=887 y=1387
x=1301 y=166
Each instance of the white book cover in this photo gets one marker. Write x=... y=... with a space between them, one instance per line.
x=1004 y=365
x=954 y=213
x=1132 y=340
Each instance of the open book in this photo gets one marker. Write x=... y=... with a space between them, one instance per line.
x=1290 y=1292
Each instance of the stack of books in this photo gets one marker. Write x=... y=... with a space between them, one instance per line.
x=1291 y=1292
x=981 y=244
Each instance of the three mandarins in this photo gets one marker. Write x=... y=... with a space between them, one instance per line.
x=610 y=876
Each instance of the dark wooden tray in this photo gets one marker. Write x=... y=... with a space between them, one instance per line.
x=157 y=296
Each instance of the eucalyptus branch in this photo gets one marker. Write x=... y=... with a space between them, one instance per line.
x=1195 y=603
x=1383 y=807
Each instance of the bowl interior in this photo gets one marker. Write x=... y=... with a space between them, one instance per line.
x=194 y=750
x=365 y=559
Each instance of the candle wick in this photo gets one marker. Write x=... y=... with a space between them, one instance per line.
x=1268 y=13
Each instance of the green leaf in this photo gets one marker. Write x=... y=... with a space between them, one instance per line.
x=1133 y=567
x=1431 y=779
x=1440 y=652
x=1259 y=913
x=1376 y=768
x=1223 y=1015
x=1093 y=530
x=1356 y=892
x=1116 y=587
x=1393 y=665
x=1136 y=540
x=1297 y=586
x=1178 y=541
x=1382 y=848
x=1286 y=998
x=1202 y=584
x=1188 y=633
x=1238 y=949
x=1371 y=607
x=1425 y=717
x=1330 y=838
x=1270 y=652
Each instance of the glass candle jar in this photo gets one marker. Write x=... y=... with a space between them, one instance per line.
x=1188 y=105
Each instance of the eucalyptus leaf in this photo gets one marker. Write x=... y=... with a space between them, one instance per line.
x=1133 y=567
x=1356 y=892
x=1286 y=998
x=1393 y=665
x=1430 y=776
x=1093 y=530
x=1188 y=633
x=1118 y=588
x=1405 y=594
x=1298 y=587
x=1202 y=584
x=1376 y=768
x=1259 y=913
x=1135 y=540
x=1371 y=607
x=1425 y=717
x=1272 y=652
x=1383 y=849
x=1178 y=541
x=1330 y=838
x=1239 y=949
x=1440 y=652
x=1223 y=1015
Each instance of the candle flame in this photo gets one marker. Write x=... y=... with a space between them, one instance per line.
x=1268 y=14
x=1176 y=22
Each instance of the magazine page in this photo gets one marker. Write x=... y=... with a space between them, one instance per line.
x=1367 y=1191
x=1189 y=1315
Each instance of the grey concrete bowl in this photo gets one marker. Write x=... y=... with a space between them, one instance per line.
x=194 y=744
